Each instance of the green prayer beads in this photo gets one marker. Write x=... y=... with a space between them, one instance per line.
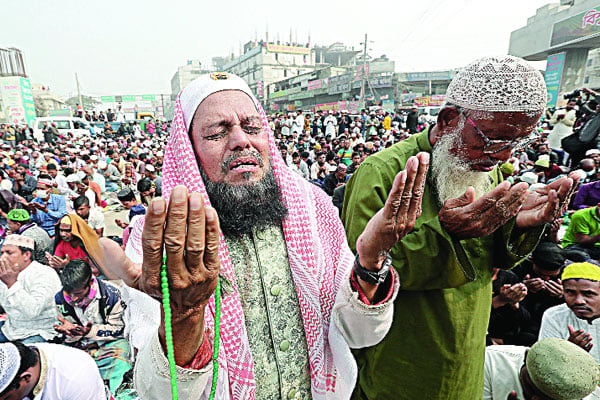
x=169 y=333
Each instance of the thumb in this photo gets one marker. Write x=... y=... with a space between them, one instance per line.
x=67 y=257
x=571 y=329
x=527 y=276
x=61 y=319
x=464 y=200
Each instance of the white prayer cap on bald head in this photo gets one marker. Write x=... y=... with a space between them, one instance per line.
x=199 y=89
x=499 y=84
x=10 y=361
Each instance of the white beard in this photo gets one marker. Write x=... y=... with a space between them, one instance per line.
x=452 y=175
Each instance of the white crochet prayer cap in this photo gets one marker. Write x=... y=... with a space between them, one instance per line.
x=10 y=361
x=503 y=83
x=19 y=241
x=199 y=89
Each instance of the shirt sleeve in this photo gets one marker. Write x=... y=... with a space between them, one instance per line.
x=551 y=328
x=29 y=302
x=580 y=197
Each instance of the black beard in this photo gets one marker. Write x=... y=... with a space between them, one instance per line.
x=244 y=207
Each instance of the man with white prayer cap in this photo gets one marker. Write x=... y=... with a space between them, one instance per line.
x=470 y=223
x=27 y=291
x=294 y=300
x=551 y=369
x=47 y=371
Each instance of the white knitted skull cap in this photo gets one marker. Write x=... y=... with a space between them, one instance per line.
x=10 y=361
x=499 y=84
x=199 y=89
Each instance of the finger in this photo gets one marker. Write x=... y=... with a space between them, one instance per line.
x=211 y=251
x=488 y=200
x=175 y=236
x=394 y=200
x=466 y=199
x=61 y=319
x=414 y=210
x=552 y=206
x=194 y=247
x=571 y=329
x=152 y=244
x=507 y=206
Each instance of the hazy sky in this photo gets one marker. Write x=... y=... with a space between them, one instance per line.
x=134 y=46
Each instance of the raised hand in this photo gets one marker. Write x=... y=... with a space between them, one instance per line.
x=8 y=272
x=534 y=285
x=543 y=205
x=189 y=234
x=398 y=216
x=581 y=338
x=465 y=217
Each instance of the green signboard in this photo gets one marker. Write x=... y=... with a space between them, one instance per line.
x=28 y=103
x=577 y=27
x=553 y=76
x=148 y=97
x=107 y=99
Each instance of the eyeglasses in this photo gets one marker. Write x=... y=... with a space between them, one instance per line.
x=491 y=146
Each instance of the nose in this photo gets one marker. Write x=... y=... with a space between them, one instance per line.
x=579 y=300
x=238 y=139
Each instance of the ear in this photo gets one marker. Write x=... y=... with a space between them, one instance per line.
x=26 y=376
x=446 y=115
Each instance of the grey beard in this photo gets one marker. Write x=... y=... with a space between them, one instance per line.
x=451 y=175
x=246 y=207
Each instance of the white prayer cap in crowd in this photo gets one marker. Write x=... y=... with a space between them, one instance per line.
x=150 y=168
x=102 y=164
x=19 y=241
x=529 y=177
x=199 y=89
x=10 y=362
x=592 y=152
x=160 y=153
x=73 y=178
x=94 y=157
x=499 y=84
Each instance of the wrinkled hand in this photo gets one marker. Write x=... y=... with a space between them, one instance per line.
x=398 y=216
x=465 y=217
x=534 y=285
x=554 y=289
x=8 y=272
x=512 y=294
x=189 y=233
x=543 y=205
x=581 y=338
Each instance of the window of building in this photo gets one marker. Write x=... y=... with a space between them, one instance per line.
x=276 y=56
x=586 y=80
x=285 y=73
x=590 y=62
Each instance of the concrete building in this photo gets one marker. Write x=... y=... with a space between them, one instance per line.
x=16 y=100
x=184 y=75
x=263 y=63
x=46 y=100
x=564 y=33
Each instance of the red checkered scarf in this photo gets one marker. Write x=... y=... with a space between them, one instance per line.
x=318 y=254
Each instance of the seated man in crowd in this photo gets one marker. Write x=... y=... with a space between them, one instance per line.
x=76 y=241
x=48 y=371
x=588 y=195
x=60 y=181
x=136 y=210
x=157 y=180
x=577 y=319
x=550 y=369
x=508 y=316
x=337 y=177
x=541 y=274
x=19 y=222
x=26 y=291
x=47 y=208
x=583 y=233
x=91 y=315
x=93 y=216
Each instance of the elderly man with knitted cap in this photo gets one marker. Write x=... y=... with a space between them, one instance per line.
x=292 y=299
x=551 y=369
x=470 y=223
x=47 y=371
x=27 y=291
x=577 y=319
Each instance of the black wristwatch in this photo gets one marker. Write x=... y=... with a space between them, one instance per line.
x=373 y=277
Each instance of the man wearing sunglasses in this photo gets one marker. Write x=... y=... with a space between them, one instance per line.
x=470 y=222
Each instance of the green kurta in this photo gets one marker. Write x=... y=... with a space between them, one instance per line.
x=435 y=347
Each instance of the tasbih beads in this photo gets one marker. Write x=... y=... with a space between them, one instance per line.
x=169 y=333
x=168 y=329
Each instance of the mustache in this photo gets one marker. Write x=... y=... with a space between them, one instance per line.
x=244 y=153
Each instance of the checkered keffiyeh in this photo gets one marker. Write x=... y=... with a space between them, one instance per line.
x=319 y=257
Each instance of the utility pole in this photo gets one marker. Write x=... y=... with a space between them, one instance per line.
x=362 y=85
x=78 y=91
